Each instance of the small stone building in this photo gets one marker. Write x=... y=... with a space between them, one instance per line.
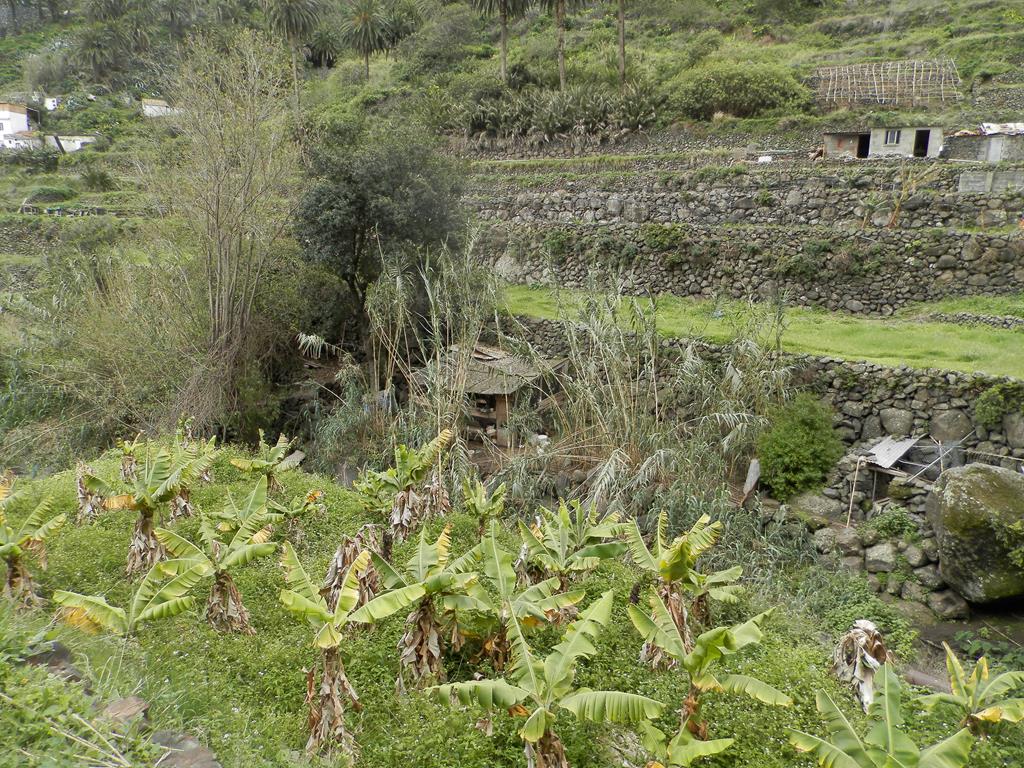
x=884 y=142
x=994 y=143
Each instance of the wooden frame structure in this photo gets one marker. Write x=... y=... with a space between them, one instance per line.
x=913 y=82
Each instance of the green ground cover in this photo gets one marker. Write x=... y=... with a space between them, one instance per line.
x=889 y=341
x=244 y=695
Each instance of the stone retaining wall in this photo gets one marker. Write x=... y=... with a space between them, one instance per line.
x=874 y=271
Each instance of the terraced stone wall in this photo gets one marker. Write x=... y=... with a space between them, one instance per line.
x=871 y=271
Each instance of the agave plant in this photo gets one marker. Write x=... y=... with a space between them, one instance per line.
x=682 y=588
x=660 y=630
x=980 y=698
x=326 y=710
x=272 y=460
x=403 y=489
x=886 y=744
x=570 y=540
x=221 y=554
x=541 y=689
x=161 y=477
x=28 y=538
x=162 y=594
x=482 y=504
x=497 y=600
x=367 y=538
x=437 y=586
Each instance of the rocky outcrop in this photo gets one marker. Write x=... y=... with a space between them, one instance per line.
x=977 y=513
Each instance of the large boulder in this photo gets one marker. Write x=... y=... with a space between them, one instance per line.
x=950 y=426
x=977 y=512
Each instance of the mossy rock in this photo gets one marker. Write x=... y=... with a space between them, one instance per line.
x=978 y=515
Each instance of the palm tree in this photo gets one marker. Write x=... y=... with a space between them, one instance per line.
x=660 y=630
x=163 y=593
x=364 y=26
x=886 y=743
x=540 y=689
x=326 y=711
x=506 y=11
x=219 y=555
x=437 y=585
x=559 y=8
x=294 y=20
x=27 y=538
x=980 y=698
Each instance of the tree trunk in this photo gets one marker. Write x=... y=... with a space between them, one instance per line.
x=689 y=715
x=674 y=601
x=18 y=585
x=622 y=43
x=366 y=60
x=181 y=506
x=560 y=24
x=326 y=711
x=547 y=753
x=420 y=649
x=144 y=551
x=224 y=610
x=504 y=41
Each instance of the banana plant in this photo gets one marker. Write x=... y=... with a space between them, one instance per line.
x=482 y=504
x=367 y=538
x=980 y=698
x=28 y=538
x=326 y=710
x=162 y=594
x=542 y=689
x=158 y=480
x=886 y=744
x=130 y=457
x=682 y=587
x=272 y=461
x=401 y=491
x=200 y=455
x=659 y=629
x=437 y=585
x=221 y=554
x=570 y=540
x=90 y=504
x=498 y=598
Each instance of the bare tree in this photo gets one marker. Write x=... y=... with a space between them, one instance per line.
x=233 y=183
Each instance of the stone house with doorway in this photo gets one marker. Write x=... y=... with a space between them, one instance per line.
x=910 y=141
x=992 y=143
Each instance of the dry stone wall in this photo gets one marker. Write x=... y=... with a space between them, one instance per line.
x=875 y=271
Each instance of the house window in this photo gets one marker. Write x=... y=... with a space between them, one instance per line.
x=1 y=127
x=892 y=137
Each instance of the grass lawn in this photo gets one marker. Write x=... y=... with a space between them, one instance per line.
x=889 y=341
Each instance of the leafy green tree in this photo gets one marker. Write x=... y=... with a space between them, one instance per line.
x=326 y=710
x=540 y=689
x=506 y=11
x=799 y=448
x=570 y=540
x=683 y=588
x=294 y=20
x=400 y=491
x=497 y=600
x=272 y=461
x=158 y=481
x=981 y=698
x=886 y=744
x=162 y=594
x=377 y=186
x=437 y=585
x=28 y=538
x=660 y=630
x=559 y=9
x=364 y=27
x=220 y=555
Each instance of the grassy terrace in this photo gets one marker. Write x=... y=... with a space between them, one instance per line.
x=889 y=341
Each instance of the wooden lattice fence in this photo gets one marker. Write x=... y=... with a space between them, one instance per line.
x=896 y=83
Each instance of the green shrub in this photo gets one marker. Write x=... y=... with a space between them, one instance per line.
x=799 y=447
x=43 y=160
x=891 y=523
x=740 y=90
x=998 y=401
x=98 y=180
x=50 y=194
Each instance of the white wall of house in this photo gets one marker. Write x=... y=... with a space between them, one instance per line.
x=70 y=143
x=13 y=121
x=899 y=142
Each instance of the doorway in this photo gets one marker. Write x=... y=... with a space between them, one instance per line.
x=922 y=139
x=863 y=144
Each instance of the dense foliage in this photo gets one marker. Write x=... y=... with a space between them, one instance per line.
x=799 y=448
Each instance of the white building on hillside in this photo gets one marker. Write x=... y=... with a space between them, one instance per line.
x=15 y=130
x=157 y=108
x=68 y=144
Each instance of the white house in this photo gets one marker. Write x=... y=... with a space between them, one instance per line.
x=52 y=103
x=69 y=144
x=15 y=130
x=884 y=142
x=157 y=108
